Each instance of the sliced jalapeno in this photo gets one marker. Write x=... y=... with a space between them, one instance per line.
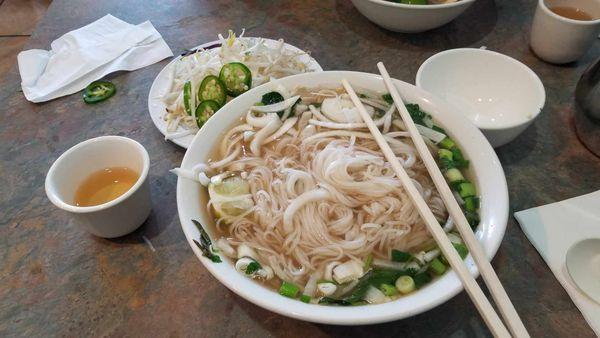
x=205 y=110
x=187 y=98
x=212 y=88
x=98 y=91
x=236 y=77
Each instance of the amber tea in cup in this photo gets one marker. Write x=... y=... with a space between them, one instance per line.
x=564 y=30
x=104 y=186
x=571 y=13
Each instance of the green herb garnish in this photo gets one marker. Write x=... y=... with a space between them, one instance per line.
x=205 y=244
x=400 y=256
x=252 y=268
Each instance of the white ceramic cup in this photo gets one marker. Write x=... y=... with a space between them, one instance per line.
x=114 y=218
x=557 y=39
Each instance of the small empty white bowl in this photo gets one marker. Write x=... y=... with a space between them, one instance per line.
x=407 y=18
x=499 y=94
x=583 y=264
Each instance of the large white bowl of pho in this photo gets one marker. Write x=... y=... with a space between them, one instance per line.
x=287 y=200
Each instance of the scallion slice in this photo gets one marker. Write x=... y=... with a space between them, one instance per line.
x=437 y=267
x=388 y=290
x=462 y=250
x=447 y=143
x=305 y=298
x=466 y=189
x=472 y=203
x=288 y=289
x=454 y=175
x=405 y=284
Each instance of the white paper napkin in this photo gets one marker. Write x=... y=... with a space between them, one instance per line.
x=552 y=229
x=87 y=54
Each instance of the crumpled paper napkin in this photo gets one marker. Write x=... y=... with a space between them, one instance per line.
x=87 y=54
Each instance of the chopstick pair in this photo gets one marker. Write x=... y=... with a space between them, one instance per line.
x=499 y=295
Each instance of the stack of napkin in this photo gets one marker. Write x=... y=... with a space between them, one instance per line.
x=87 y=54
x=553 y=229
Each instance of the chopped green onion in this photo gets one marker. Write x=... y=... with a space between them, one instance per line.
x=458 y=158
x=368 y=262
x=437 y=267
x=400 y=256
x=462 y=250
x=421 y=279
x=446 y=164
x=447 y=143
x=305 y=298
x=445 y=154
x=466 y=189
x=454 y=175
x=472 y=203
x=472 y=218
x=288 y=289
x=405 y=284
x=388 y=290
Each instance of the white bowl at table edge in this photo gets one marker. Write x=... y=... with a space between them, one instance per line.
x=405 y=18
x=488 y=176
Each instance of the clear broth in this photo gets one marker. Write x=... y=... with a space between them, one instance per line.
x=571 y=13
x=104 y=186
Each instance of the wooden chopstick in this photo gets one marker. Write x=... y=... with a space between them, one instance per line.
x=506 y=307
x=481 y=302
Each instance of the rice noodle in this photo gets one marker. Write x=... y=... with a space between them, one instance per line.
x=323 y=192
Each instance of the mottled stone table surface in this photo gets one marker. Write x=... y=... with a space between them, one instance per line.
x=55 y=279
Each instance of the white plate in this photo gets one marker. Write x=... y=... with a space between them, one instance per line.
x=486 y=173
x=161 y=84
x=583 y=264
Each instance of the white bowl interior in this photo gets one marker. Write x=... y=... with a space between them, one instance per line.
x=486 y=172
x=493 y=90
x=77 y=163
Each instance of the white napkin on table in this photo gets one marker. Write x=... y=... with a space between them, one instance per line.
x=87 y=54
x=553 y=229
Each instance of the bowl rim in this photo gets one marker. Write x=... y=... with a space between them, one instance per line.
x=536 y=81
x=60 y=203
x=442 y=289
x=458 y=3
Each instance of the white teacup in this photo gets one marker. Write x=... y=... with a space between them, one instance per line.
x=557 y=39
x=117 y=217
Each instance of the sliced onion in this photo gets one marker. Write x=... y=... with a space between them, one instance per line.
x=431 y=134
x=275 y=107
x=374 y=296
